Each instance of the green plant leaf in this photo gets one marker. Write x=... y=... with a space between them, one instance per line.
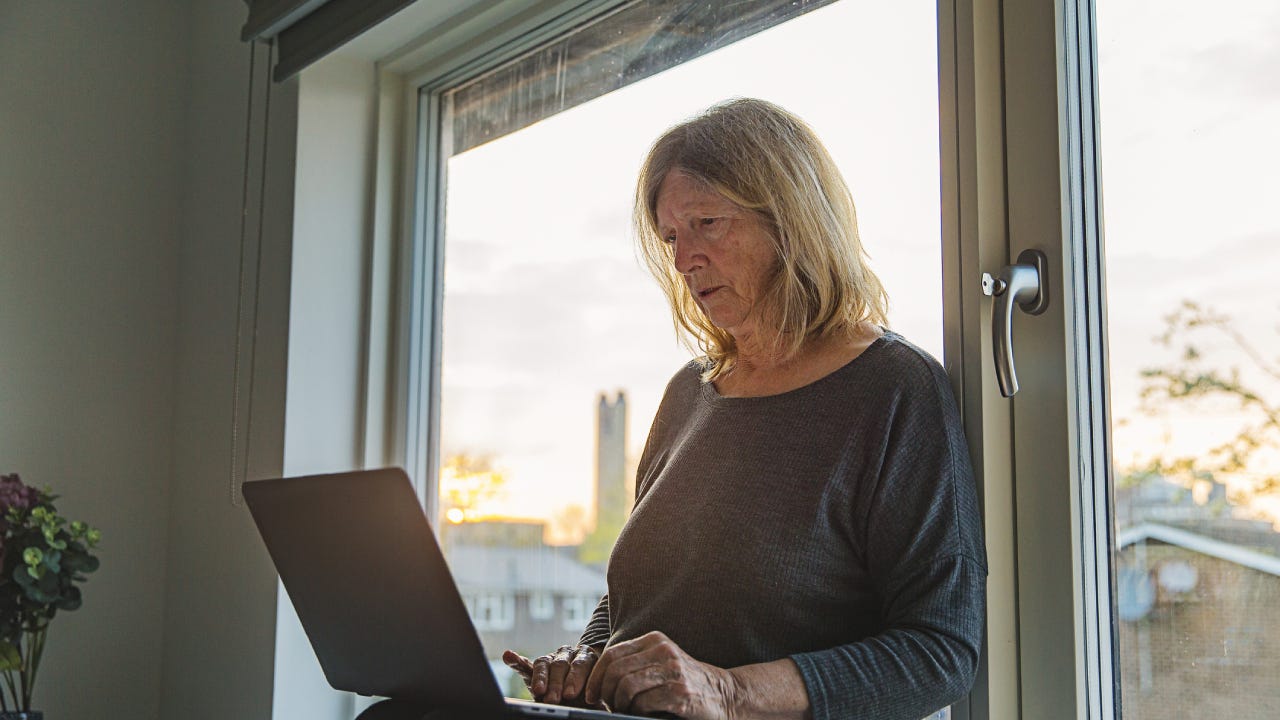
x=70 y=600
x=21 y=577
x=79 y=561
x=48 y=584
x=40 y=596
x=10 y=658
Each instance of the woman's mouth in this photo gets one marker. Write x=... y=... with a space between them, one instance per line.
x=702 y=294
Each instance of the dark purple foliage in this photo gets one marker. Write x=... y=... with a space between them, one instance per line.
x=14 y=494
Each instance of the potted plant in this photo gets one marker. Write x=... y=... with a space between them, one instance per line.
x=44 y=558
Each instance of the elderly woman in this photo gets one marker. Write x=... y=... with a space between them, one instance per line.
x=806 y=540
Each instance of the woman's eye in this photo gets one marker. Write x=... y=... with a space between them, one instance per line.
x=669 y=239
x=708 y=221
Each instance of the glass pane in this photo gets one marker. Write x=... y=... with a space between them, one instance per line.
x=557 y=345
x=1190 y=105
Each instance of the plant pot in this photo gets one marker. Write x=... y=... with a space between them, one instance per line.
x=22 y=715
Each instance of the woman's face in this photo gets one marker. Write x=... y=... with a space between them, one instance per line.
x=723 y=251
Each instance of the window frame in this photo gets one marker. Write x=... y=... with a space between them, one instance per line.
x=575 y=611
x=493 y=611
x=542 y=606
x=1027 y=177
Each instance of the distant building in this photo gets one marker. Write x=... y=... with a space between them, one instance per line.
x=1157 y=500
x=1196 y=592
x=528 y=599
x=1198 y=632
x=612 y=499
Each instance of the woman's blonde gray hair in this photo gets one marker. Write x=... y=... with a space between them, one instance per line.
x=770 y=162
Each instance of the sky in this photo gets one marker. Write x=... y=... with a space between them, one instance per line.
x=1190 y=103
x=546 y=304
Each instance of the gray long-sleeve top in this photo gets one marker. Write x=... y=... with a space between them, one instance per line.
x=836 y=524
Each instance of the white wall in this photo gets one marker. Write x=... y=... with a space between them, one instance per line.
x=91 y=138
x=121 y=149
x=221 y=587
x=121 y=168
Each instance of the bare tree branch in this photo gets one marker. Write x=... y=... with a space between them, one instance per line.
x=1187 y=381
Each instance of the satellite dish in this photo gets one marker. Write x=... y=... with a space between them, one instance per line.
x=1137 y=593
x=1177 y=576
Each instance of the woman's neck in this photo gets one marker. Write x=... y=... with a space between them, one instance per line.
x=762 y=369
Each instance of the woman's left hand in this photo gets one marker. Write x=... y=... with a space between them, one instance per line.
x=651 y=674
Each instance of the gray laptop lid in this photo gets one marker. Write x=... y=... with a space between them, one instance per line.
x=359 y=561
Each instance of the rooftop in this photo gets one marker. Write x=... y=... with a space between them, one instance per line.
x=522 y=570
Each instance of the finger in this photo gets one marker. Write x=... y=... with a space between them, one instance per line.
x=538 y=686
x=646 y=680
x=611 y=655
x=591 y=694
x=557 y=669
x=657 y=703
x=584 y=658
x=649 y=660
x=520 y=664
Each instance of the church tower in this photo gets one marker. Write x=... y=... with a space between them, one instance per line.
x=612 y=502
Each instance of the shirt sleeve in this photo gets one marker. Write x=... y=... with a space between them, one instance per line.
x=597 y=633
x=924 y=661
x=921 y=529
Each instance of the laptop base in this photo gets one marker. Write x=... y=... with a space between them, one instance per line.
x=401 y=710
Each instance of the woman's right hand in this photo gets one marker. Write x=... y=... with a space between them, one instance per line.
x=558 y=677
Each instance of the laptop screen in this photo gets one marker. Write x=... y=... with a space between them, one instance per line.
x=361 y=565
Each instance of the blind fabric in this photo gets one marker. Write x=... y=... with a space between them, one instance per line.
x=268 y=17
x=307 y=30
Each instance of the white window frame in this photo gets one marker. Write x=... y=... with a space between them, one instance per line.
x=576 y=611
x=493 y=611
x=542 y=606
x=1018 y=86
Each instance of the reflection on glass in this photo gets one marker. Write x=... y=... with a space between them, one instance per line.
x=1189 y=107
x=557 y=345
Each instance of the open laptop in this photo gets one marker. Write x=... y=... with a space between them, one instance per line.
x=360 y=563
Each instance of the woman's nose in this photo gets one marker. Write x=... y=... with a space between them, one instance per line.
x=687 y=257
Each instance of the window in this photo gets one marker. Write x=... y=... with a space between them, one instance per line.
x=542 y=606
x=494 y=612
x=554 y=345
x=1021 y=167
x=577 y=611
x=1189 y=154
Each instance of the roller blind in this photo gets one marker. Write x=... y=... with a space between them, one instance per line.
x=629 y=43
x=307 y=30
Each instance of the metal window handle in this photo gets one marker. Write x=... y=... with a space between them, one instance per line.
x=1027 y=284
